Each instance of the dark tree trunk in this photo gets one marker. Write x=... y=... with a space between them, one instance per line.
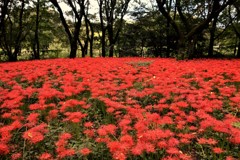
x=181 y=48
x=103 y=28
x=74 y=41
x=103 y=37
x=17 y=46
x=238 y=53
x=12 y=57
x=73 y=38
x=73 y=51
x=168 y=30
x=82 y=47
x=36 y=47
x=111 y=41
x=212 y=37
x=3 y=38
x=4 y=9
x=91 y=40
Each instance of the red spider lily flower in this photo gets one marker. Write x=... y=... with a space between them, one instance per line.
x=88 y=124
x=33 y=118
x=115 y=147
x=36 y=107
x=4 y=149
x=235 y=139
x=45 y=156
x=217 y=150
x=173 y=150
x=74 y=117
x=150 y=148
x=65 y=153
x=124 y=125
x=85 y=151
x=162 y=144
x=230 y=158
x=185 y=141
x=138 y=149
x=107 y=129
x=182 y=104
x=89 y=132
x=16 y=156
x=65 y=136
x=33 y=136
x=52 y=114
x=173 y=142
x=209 y=141
x=61 y=144
x=171 y=158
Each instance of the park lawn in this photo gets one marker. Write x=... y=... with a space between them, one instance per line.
x=120 y=108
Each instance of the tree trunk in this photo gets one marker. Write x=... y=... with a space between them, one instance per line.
x=168 y=30
x=212 y=35
x=36 y=38
x=73 y=38
x=74 y=41
x=73 y=51
x=111 y=43
x=17 y=46
x=103 y=28
x=103 y=37
x=12 y=57
x=91 y=41
x=181 y=49
x=4 y=9
x=238 y=53
x=91 y=38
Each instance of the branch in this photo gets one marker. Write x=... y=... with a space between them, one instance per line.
x=65 y=25
x=183 y=18
x=169 y=18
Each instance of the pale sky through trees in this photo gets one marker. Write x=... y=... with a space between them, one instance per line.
x=94 y=6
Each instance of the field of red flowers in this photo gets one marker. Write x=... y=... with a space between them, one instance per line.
x=120 y=108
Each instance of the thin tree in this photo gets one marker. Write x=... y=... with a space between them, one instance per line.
x=111 y=13
x=36 y=47
x=73 y=36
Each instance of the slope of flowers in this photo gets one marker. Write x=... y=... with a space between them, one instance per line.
x=129 y=108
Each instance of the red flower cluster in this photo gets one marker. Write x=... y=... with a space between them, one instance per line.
x=159 y=108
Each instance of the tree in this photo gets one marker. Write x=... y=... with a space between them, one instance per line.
x=89 y=33
x=77 y=7
x=36 y=46
x=111 y=13
x=13 y=29
x=235 y=25
x=187 y=35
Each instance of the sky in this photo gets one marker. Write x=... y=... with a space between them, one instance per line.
x=94 y=6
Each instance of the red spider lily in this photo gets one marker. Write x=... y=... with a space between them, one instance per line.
x=35 y=134
x=16 y=156
x=61 y=145
x=173 y=150
x=85 y=151
x=217 y=150
x=165 y=105
x=45 y=156
x=107 y=129
x=209 y=141
x=4 y=149
x=74 y=117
